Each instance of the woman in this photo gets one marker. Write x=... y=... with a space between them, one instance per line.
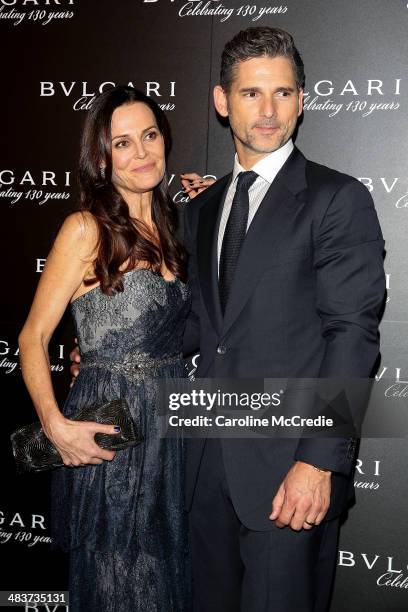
x=118 y=263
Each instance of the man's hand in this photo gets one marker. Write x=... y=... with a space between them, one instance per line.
x=194 y=184
x=75 y=358
x=303 y=498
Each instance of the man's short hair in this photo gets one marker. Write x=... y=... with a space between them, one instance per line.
x=259 y=42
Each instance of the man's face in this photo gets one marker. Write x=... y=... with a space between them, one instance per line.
x=263 y=106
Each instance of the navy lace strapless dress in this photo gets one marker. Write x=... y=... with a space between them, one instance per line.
x=123 y=521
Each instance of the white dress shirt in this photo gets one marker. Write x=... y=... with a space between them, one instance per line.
x=267 y=169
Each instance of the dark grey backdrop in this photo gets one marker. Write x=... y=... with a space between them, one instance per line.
x=355 y=121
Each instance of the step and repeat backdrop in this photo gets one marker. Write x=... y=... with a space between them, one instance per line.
x=57 y=55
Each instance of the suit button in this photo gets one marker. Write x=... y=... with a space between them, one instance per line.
x=221 y=350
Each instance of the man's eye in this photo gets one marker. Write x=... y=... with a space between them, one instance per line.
x=283 y=94
x=251 y=94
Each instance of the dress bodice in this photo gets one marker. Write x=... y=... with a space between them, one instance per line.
x=144 y=321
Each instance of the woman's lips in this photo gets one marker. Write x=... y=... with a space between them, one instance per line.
x=145 y=168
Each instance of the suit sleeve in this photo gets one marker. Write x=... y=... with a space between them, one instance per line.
x=350 y=291
x=191 y=340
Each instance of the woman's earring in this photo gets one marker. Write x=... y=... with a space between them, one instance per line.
x=102 y=169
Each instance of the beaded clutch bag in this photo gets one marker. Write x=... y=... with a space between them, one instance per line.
x=34 y=452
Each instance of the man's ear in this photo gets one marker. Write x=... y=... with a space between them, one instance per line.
x=220 y=101
x=300 y=98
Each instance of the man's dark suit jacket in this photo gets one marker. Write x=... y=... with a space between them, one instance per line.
x=305 y=302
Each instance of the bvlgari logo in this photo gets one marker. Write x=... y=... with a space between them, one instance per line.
x=38 y=187
x=399 y=387
x=388 y=571
x=39 y=264
x=83 y=93
x=9 y=357
x=42 y=12
x=362 y=98
x=388 y=286
x=40 y=607
x=367 y=474
x=395 y=188
x=25 y=529
x=222 y=9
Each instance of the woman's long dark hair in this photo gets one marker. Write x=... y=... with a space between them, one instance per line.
x=120 y=237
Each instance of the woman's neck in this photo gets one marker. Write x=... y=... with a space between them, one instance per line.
x=140 y=206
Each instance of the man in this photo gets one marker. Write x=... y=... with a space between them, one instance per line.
x=287 y=277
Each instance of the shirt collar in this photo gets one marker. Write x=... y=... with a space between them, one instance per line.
x=269 y=166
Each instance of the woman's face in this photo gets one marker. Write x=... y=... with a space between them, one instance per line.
x=138 y=158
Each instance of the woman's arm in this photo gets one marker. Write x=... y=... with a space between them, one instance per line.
x=67 y=265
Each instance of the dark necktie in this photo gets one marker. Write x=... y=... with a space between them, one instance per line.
x=234 y=234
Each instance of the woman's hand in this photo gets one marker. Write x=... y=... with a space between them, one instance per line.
x=194 y=184
x=75 y=441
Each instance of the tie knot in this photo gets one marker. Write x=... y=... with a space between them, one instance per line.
x=245 y=180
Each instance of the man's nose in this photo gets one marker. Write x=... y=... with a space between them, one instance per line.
x=268 y=108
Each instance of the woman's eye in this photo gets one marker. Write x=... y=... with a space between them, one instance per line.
x=121 y=144
x=151 y=135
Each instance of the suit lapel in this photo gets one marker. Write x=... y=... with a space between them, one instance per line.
x=209 y=221
x=274 y=216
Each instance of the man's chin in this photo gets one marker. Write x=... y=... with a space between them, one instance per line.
x=267 y=149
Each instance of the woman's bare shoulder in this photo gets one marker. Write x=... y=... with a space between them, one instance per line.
x=78 y=231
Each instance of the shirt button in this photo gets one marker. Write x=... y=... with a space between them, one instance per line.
x=221 y=350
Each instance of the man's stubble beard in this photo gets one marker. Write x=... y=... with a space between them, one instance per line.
x=249 y=142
